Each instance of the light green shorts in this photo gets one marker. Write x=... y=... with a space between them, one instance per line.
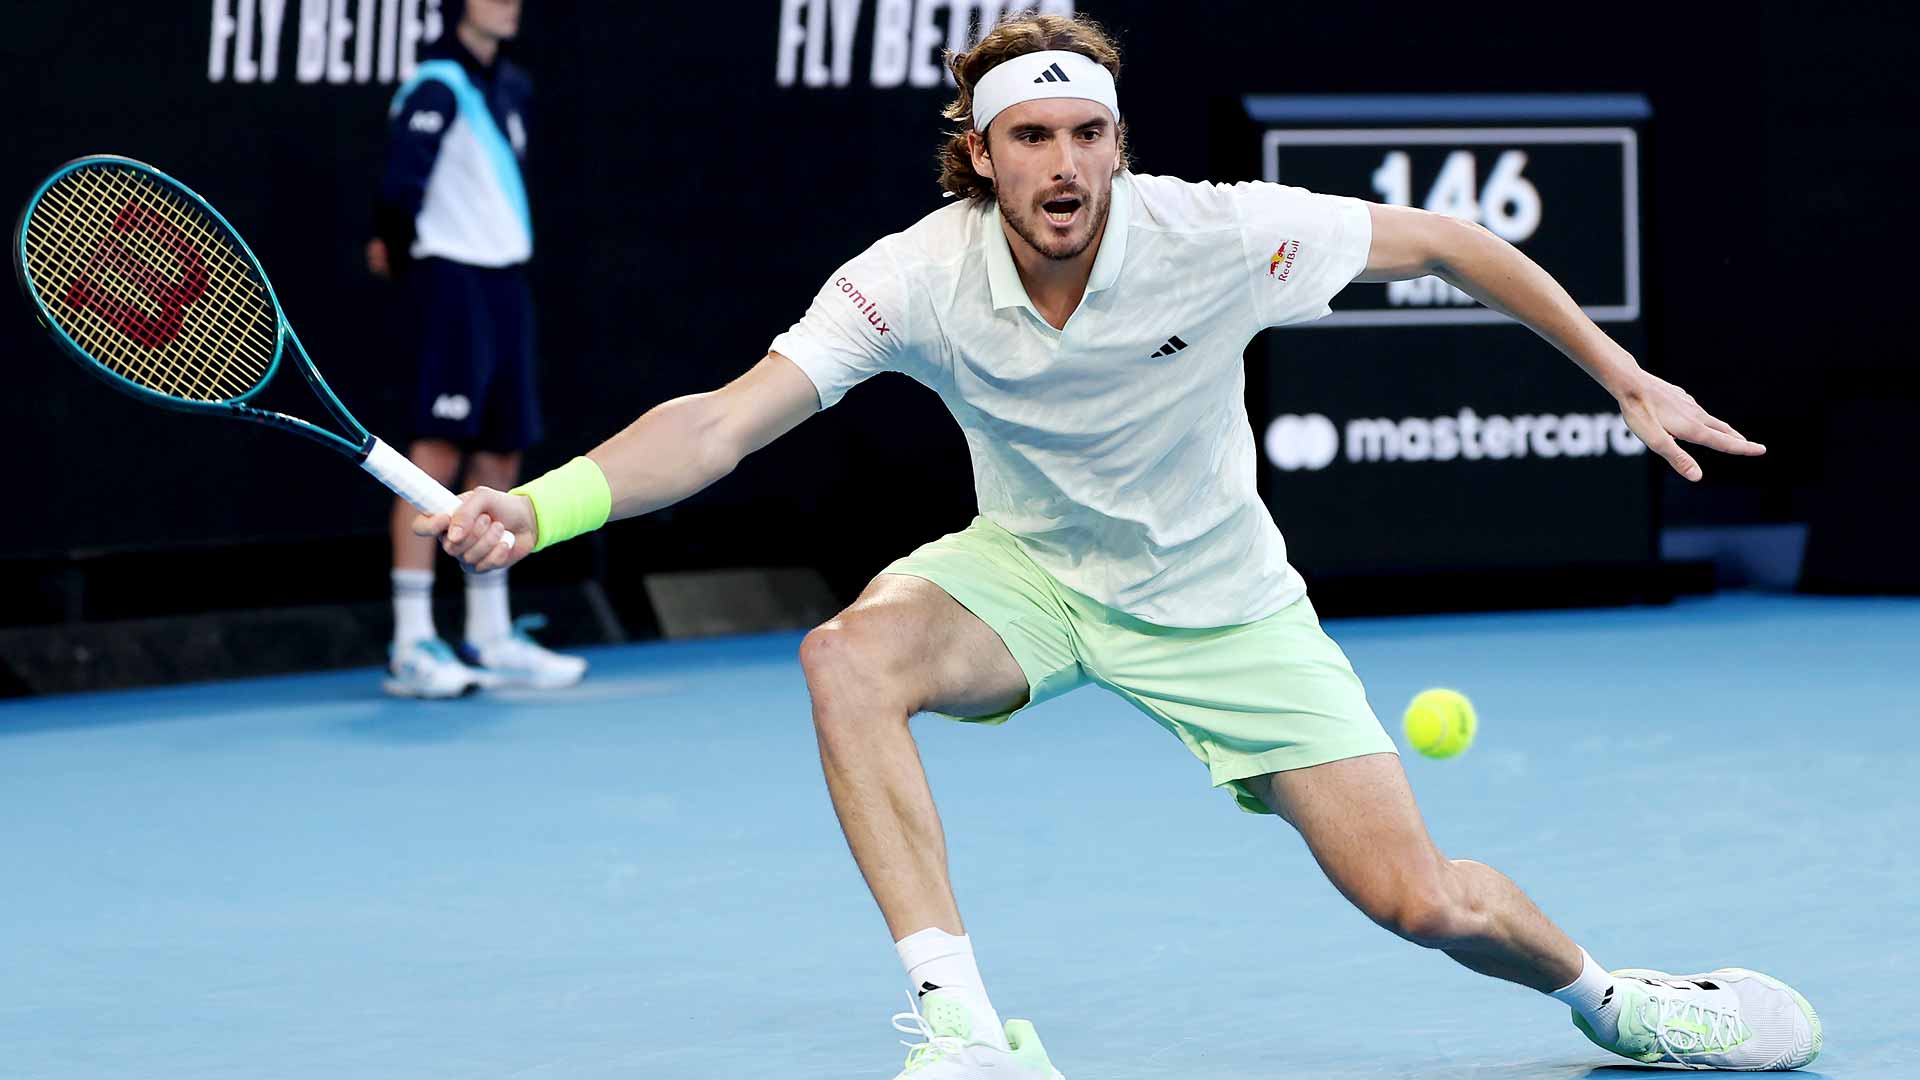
x=1248 y=700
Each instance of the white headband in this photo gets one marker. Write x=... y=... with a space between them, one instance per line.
x=1032 y=76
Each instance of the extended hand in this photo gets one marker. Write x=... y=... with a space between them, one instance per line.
x=475 y=531
x=1662 y=413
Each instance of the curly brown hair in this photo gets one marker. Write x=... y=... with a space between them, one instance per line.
x=1017 y=36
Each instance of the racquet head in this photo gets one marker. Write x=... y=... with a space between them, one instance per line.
x=147 y=285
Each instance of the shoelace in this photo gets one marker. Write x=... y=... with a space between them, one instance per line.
x=931 y=1047
x=1724 y=1027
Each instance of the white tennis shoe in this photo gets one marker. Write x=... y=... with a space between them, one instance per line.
x=946 y=1050
x=518 y=660
x=427 y=668
x=1731 y=1018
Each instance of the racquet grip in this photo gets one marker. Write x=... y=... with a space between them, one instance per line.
x=407 y=480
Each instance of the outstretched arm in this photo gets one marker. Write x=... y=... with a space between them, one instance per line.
x=674 y=450
x=681 y=446
x=1411 y=243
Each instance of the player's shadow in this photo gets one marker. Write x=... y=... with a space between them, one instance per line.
x=1621 y=1072
x=1625 y=1071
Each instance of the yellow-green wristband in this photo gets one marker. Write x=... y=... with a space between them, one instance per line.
x=568 y=501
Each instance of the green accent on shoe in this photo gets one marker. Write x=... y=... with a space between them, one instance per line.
x=1587 y=1030
x=949 y=1027
x=1649 y=1031
x=1026 y=1046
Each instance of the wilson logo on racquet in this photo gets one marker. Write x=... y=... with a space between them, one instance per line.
x=111 y=256
x=166 y=247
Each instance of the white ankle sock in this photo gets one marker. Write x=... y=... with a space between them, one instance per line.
x=1592 y=996
x=937 y=960
x=487 y=617
x=412 y=606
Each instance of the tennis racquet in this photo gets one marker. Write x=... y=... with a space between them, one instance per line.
x=148 y=287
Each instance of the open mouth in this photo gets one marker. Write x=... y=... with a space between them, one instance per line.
x=1061 y=211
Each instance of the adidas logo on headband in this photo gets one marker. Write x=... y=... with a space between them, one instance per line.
x=1055 y=73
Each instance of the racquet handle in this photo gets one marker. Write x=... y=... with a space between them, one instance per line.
x=407 y=480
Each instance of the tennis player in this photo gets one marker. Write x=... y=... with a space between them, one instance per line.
x=1120 y=540
x=452 y=223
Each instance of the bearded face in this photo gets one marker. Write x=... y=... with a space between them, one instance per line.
x=1052 y=163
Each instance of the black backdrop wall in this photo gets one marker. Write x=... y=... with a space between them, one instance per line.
x=692 y=187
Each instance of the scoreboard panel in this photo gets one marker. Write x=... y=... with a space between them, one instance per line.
x=1588 y=227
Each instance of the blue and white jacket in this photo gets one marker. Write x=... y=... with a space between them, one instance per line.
x=452 y=187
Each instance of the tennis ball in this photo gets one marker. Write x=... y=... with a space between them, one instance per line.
x=1440 y=723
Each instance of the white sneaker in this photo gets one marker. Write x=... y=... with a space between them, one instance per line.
x=518 y=660
x=1730 y=1018
x=427 y=669
x=947 y=1050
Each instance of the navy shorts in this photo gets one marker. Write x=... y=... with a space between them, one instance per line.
x=474 y=341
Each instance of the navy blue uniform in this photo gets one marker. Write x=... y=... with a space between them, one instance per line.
x=453 y=212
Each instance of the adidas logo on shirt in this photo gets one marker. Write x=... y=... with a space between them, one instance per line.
x=1053 y=74
x=1173 y=345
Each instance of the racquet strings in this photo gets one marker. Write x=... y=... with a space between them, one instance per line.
x=150 y=285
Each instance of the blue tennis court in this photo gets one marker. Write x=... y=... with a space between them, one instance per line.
x=642 y=877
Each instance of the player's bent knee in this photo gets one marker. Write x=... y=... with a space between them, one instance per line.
x=828 y=653
x=854 y=662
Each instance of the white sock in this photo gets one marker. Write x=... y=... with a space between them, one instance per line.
x=1592 y=996
x=487 y=618
x=937 y=960
x=412 y=606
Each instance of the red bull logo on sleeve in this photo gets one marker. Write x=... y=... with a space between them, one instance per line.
x=1281 y=264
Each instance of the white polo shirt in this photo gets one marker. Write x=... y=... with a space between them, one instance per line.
x=1116 y=450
